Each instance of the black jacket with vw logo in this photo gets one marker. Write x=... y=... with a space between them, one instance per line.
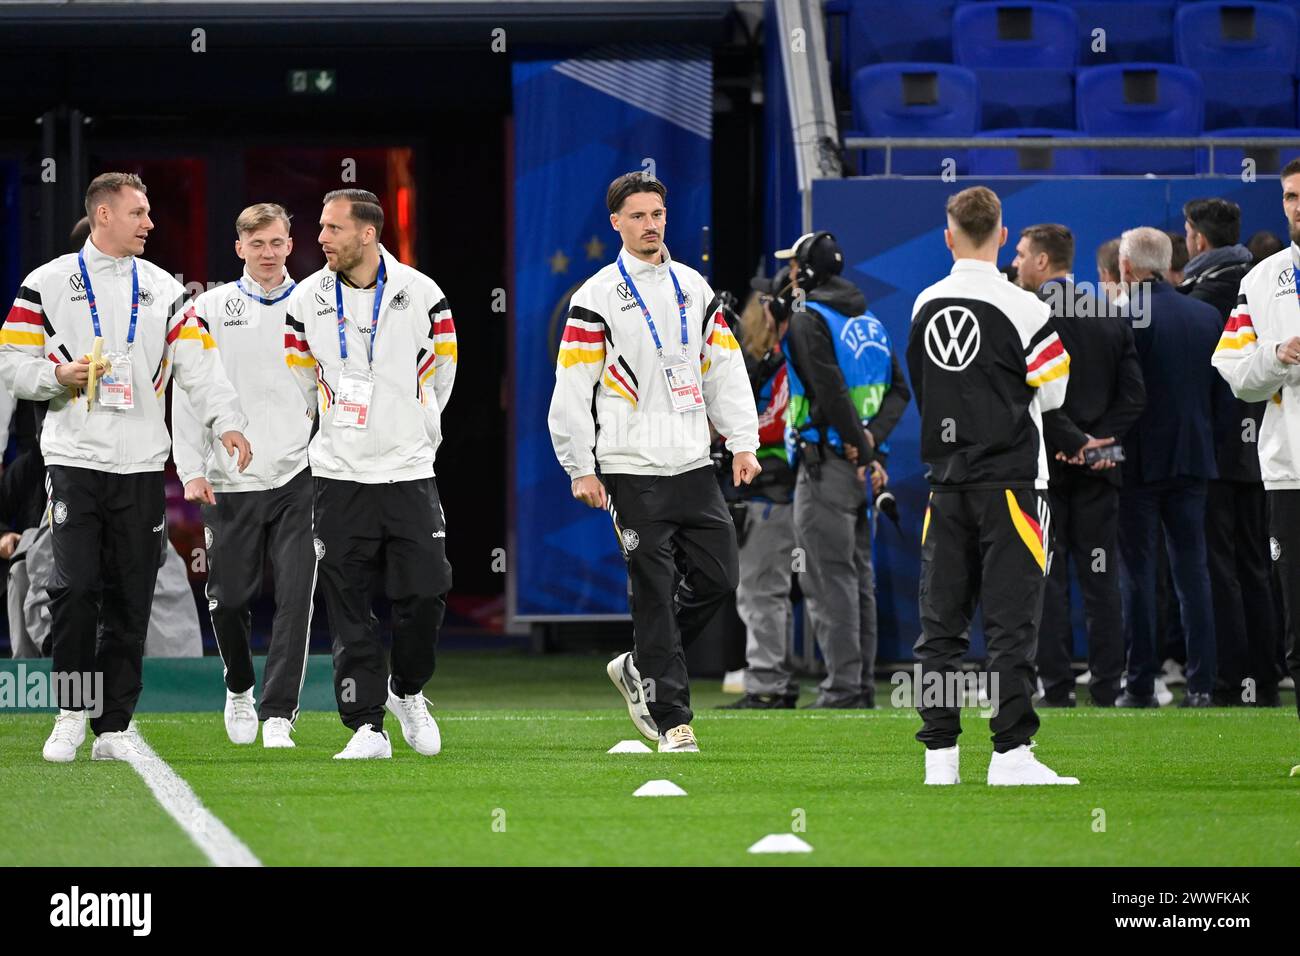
x=986 y=364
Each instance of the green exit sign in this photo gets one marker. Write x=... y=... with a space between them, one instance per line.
x=311 y=82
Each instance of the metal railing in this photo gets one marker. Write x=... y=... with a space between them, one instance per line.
x=890 y=143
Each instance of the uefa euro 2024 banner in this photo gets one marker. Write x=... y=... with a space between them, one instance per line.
x=579 y=123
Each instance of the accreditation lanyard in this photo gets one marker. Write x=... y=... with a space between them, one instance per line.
x=90 y=298
x=681 y=308
x=683 y=386
x=1295 y=269
x=239 y=283
x=374 y=318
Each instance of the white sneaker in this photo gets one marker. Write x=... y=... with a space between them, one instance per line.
x=624 y=675
x=941 y=766
x=1164 y=696
x=68 y=734
x=1084 y=679
x=1173 y=673
x=679 y=740
x=116 y=745
x=276 y=731
x=733 y=682
x=366 y=745
x=1020 y=768
x=419 y=729
x=241 y=717
x=1286 y=683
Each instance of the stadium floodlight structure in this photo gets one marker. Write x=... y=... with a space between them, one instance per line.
x=808 y=91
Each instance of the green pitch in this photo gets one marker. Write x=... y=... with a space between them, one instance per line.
x=524 y=779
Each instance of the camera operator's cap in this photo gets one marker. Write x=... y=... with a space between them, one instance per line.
x=817 y=254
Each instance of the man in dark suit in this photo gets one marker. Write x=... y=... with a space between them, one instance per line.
x=1169 y=463
x=1105 y=396
x=1236 y=526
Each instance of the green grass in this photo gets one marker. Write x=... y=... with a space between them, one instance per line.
x=528 y=736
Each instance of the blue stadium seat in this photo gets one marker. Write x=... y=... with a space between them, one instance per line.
x=1141 y=99
x=1136 y=30
x=1246 y=55
x=1026 y=98
x=1032 y=160
x=890 y=31
x=1239 y=98
x=1236 y=35
x=1024 y=55
x=915 y=99
x=1015 y=35
x=1268 y=160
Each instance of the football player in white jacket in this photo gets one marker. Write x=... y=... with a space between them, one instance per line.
x=263 y=513
x=647 y=336
x=373 y=343
x=1259 y=356
x=105 y=451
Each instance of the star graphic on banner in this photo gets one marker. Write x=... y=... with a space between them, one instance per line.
x=559 y=262
x=595 y=248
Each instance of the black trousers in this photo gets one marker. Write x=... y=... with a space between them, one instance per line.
x=1284 y=546
x=682 y=562
x=108 y=531
x=242 y=530
x=1245 y=628
x=363 y=530
x=1085 y=528
x=982 y=546
x=1178 y=506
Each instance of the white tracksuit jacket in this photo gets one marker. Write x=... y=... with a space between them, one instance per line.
x=250 y=340
x=414 y=368
x=607 y=348
x=1267 y=314
x=50 y=324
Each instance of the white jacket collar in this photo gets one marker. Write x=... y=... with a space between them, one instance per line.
x=640 y=269
x=255 y=287
x=977 y=265
x=97 y=261
x=399 y=274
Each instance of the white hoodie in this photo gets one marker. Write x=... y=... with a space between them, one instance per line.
x=249 y=333
x=1267 y=314
x=607 y=348
x=414 y=368
x=50 y=325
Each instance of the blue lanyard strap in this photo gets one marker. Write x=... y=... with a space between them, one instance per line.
x=1295 y=269
x=681 y=307
x=374 y=319
x=90 y=297
x=239 y=283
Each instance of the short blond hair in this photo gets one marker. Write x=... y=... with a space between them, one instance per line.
x=976 y=212
x=259 y=216
x=106 y=183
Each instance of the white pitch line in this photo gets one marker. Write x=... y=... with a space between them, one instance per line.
x=210 y=835
x=900 y=714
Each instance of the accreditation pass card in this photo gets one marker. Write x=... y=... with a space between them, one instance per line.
x=683 y=387
x=353 y=410
x=115 y=386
